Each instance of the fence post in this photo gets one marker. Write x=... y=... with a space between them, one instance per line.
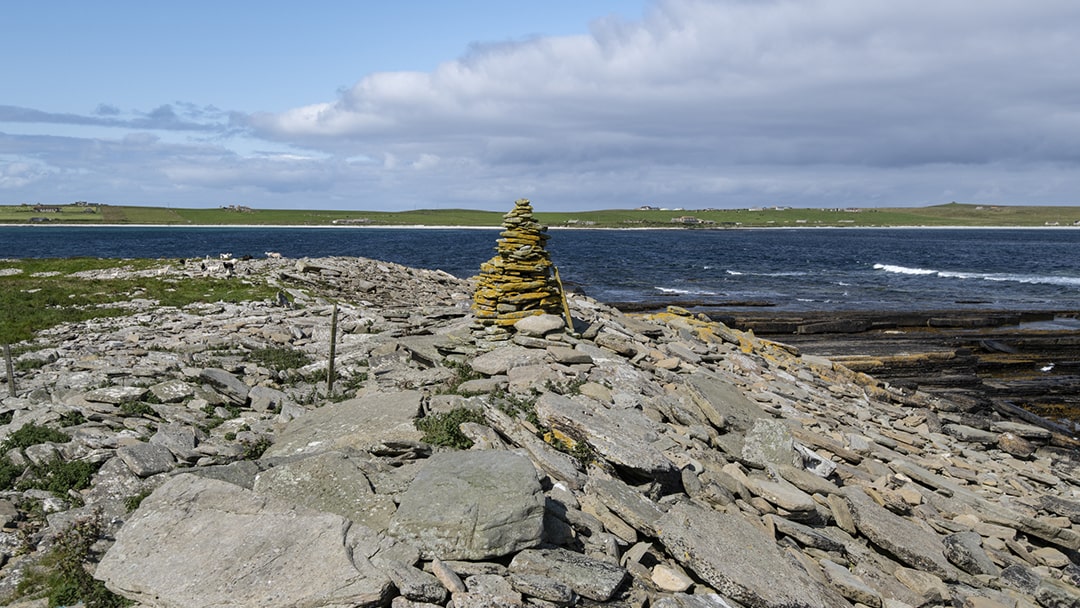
x=10 y=370
x=333 y=352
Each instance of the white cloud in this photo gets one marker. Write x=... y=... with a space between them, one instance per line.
x=711 y=88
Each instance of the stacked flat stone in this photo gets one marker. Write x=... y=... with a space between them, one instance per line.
x=518 y=281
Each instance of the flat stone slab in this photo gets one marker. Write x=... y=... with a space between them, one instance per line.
x=328 y=482
x=722 y=402
x=146 y=459
x=588 y=577
x=203 y=543
x=359 y=423
x=620 y=436
x=540 y=325
x=472 y=505
x=908 y=542
x=738 y=559
x=503 y=359
x=227 y=384
x=115 y=395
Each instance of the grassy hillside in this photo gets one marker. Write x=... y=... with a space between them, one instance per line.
x=952 y=214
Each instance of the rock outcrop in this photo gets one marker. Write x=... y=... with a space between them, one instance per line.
x=646 y=460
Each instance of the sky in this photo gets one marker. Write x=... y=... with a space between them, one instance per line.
x=575 y=105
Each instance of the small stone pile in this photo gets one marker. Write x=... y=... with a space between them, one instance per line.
x=518 y=282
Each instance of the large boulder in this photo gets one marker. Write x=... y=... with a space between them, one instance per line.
x=200 y=543
x=472 y=506
x=359 y=423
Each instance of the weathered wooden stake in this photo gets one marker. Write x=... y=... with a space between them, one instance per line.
x=333 y=352
x=565 y=304
x=10 y=370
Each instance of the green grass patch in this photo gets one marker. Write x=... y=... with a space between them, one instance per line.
x=279 y=359
x=31 y=303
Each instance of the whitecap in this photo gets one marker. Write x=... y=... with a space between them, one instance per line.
x=904 y=269
x=983 y=276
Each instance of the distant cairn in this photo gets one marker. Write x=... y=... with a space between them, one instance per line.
x=517 y=282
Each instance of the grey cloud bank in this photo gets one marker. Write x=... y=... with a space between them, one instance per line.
x=698 y=104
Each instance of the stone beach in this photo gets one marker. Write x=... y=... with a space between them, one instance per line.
x=630 y=460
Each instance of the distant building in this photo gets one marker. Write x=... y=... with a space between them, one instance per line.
x=685 y=219
x=648 y=208
x=46 y=209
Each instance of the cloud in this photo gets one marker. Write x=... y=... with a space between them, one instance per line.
x=163 y=117
x=728 y=87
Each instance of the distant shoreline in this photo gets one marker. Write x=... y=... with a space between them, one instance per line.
x=442 y=227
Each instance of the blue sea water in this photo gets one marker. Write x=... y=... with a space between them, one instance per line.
x=804 y=269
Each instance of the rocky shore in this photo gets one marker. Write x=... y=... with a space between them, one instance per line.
x=633 y=460
x=1002 y=359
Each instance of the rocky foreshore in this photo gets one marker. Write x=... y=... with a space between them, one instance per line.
x=659 y=459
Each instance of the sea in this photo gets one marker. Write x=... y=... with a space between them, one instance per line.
x=784 y=270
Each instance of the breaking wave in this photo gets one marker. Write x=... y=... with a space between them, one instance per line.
x=982 y=276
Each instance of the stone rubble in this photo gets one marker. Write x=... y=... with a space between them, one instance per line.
x=658 y=460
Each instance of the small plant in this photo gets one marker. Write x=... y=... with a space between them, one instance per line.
x=348 y=389
x=568 y=389
x=253 y=450
x=136 y=408
x=215 y=420
x=59 y=476
x=25 y=365
x=62 y=575
x=463 y=372
x=442 y=429
x=513 y=405
x=9 y=473
x=279 y=358
x=132 y=502
x=579 y=449
x=32 y=434
x=72 y=418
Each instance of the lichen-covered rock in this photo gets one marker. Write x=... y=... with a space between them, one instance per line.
x=517 y=282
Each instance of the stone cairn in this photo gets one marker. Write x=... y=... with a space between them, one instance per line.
x=517 y=282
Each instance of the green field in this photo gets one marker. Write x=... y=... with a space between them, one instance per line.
x=952 y=214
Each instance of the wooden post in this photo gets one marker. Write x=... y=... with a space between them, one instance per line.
x=10 y=370
x=333 y=351
x=562 y=296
